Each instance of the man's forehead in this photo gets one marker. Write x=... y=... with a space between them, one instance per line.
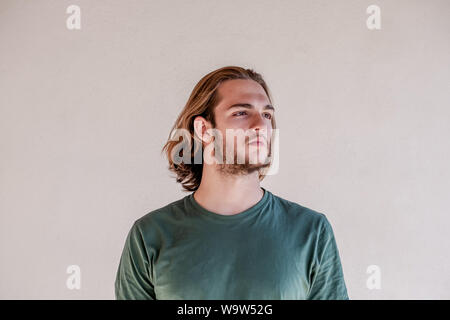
x=243 y=95
x=258 y=96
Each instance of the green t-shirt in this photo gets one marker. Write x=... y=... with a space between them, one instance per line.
x=276 y=249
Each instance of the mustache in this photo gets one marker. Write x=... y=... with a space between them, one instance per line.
x=258 y=138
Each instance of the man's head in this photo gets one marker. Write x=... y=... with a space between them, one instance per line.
x=232 y=103
x=243 y=117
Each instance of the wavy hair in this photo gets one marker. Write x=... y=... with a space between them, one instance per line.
x=202 y=102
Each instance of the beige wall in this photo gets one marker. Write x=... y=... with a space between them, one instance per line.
x=363 y=117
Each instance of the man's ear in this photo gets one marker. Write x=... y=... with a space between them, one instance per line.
x=201 y=126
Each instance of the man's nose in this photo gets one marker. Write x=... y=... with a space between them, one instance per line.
x=258 y=123
x=260 y=127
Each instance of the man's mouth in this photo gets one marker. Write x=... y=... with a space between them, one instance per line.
x=258 y=142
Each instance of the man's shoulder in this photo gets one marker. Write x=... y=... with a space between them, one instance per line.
x=297 y=210
x=162 y=214
x=303 y=218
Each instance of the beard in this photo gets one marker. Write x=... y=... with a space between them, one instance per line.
x=240 y=169
x=246 y=168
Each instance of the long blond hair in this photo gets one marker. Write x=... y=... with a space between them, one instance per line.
x=202 y=102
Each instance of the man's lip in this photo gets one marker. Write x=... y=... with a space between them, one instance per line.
x=259 y=141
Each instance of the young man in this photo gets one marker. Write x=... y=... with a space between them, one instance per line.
x=230 y=238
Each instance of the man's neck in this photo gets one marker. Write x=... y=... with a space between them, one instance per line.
x=228 y=195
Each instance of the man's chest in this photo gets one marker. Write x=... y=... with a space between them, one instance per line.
x=226 y=264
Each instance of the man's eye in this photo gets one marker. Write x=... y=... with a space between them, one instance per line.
x=237 y=114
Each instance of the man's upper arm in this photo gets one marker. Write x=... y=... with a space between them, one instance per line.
x=327 y=277
x=134 y=279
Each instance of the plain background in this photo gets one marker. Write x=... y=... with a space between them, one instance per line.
x=363 y=118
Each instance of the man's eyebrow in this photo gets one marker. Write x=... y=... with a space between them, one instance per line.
x=250 y=106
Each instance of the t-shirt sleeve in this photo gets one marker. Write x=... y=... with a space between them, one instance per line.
x=327 y=277
x=134 y=280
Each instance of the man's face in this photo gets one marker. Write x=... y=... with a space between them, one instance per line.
x=244 y=112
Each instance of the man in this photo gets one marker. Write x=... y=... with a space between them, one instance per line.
x=230 y=238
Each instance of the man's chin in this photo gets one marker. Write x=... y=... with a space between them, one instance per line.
x=241 y=169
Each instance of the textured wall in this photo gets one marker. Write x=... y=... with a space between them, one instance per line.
x=363 y=117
